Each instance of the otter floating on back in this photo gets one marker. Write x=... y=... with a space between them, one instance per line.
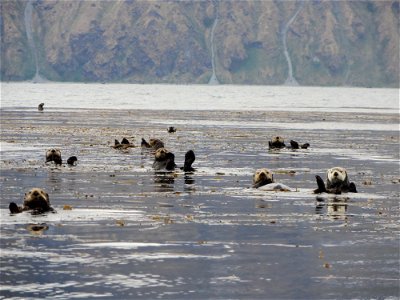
x=264 y=179
x=337 y=182
x=36 y=200
x=152 y=144
x=277 y=142
x=125 y=144
x=165 y=160
x=54 y=155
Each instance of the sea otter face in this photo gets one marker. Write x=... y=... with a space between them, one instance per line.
x=37 y=199
x=54 y=155
x=163 y=159
x=277 y=142
x=336 y=176
x=262 y=177
x=277 y=139
x=156 y=144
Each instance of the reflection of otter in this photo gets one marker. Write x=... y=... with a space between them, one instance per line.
x=153 y=144
x=165 y=160
x=36 y=200
x=335 y=209
x=164 y=182
x=262 y=177
x=337 y=182
x=277 y=142
x=40 y=107
x=189 y=179
x=54 y=155
x=125 y=144
x=37 y=228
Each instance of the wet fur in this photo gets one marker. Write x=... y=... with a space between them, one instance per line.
x=262 y=177
x=337 y=182
x=36 y=200
x=152 y=144
x=277 y=142
x=54 y=155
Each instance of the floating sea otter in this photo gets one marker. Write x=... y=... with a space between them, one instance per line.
x=125 y=144
x=36 y=200
x=54 y=155
x=40 y=107
x=277 y=142
x=265 y=178
x=153 y=144
x=337 y=182
x=171 y=129
x=165 y=160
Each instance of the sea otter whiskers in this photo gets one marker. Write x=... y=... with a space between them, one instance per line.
x=54 y=155
x=337 y=182
x=36 y=200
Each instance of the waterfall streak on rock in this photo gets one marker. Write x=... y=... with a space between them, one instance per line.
x=213 y=79
x=290 y=79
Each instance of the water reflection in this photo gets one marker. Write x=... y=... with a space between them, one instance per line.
x=164 y=181
x=37 y=229
x=188 y=178
x=335 y=209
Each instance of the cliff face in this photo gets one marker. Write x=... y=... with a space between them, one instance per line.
x=326 y=42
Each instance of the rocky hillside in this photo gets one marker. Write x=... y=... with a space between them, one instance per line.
x=352 y=43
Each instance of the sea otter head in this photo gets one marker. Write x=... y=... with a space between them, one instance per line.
x=277 y=142
x=163 y=159
x=37 y=199
x=262 y=177
x=336 y=176
x=54 y=155
x=156 y=144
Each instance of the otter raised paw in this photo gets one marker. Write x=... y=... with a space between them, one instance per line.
x=337 y=182
x=36 y=200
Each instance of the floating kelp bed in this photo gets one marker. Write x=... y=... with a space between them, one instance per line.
x=123 y=230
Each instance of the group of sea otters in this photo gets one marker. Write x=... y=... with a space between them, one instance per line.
x=337 y=181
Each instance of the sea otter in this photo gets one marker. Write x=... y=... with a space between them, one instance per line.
x=171 y=129
x=337 y=182
x=277 y=142
x=153 y=144
x=54 y=155
x=125 y=144
x=36 y=200
x=40 y=107
x=262 y=177
x=165 y=160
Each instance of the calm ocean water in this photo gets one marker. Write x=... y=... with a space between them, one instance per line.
x=199 y=97
x=124 y=231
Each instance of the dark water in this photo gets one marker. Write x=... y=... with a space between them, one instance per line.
x=129 y=232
